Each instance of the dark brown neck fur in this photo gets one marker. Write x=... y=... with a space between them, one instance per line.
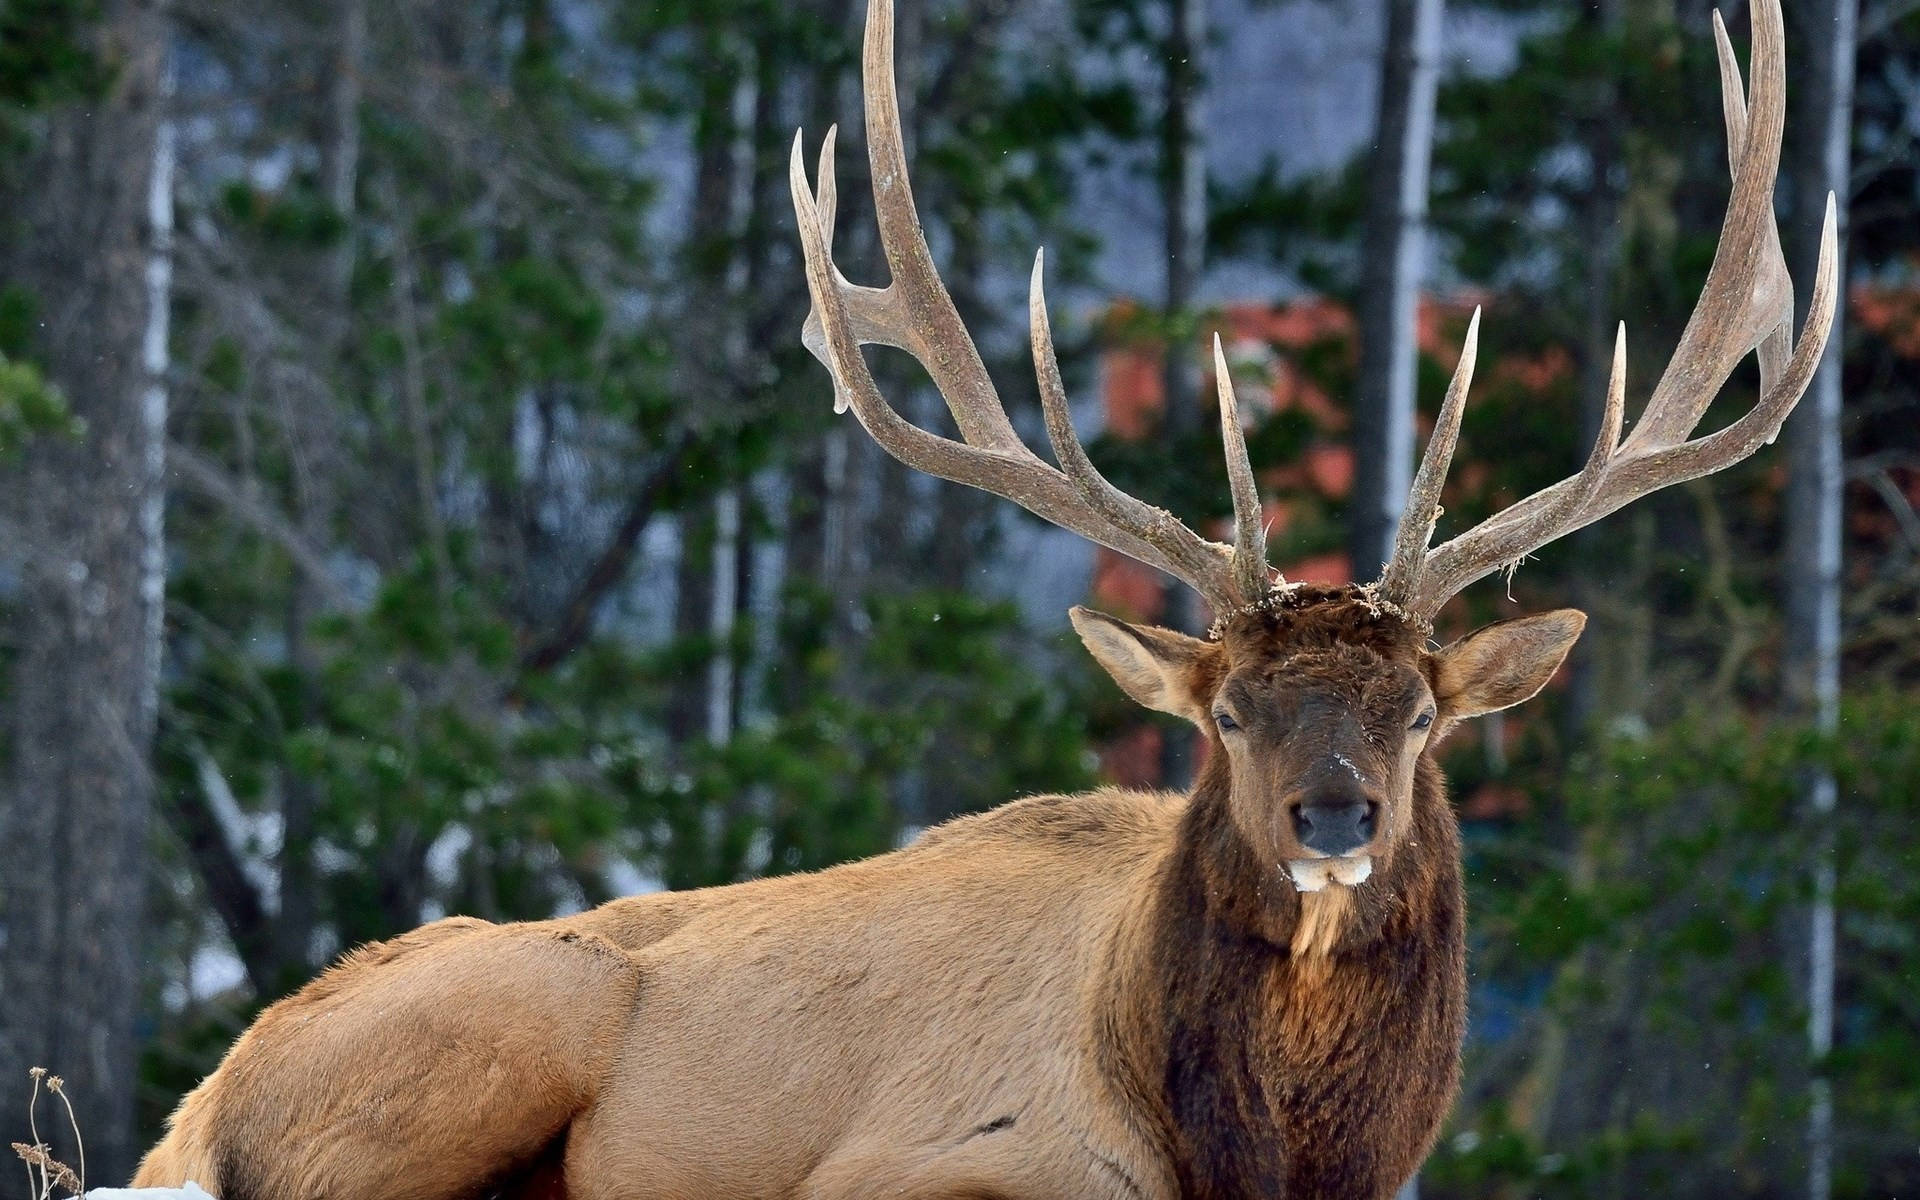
x=1283 y=1077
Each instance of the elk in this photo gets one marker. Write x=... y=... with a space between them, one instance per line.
x=1253 y=989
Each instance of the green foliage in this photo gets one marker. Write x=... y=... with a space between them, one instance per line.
x=450 y=394
x=30 y=407
x=44 y=52
x=1684 y=906
x=45 y=57
x=932 y=693
x=930 y=698
x=1308 y=225
x=297 y=217
x=1496 y=1159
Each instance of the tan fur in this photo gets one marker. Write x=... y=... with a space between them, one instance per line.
x=808 y=1035
x=1115 y=994
x=1323 y=916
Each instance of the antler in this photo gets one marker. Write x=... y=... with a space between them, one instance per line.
x=915 y=314
x=1746 y=304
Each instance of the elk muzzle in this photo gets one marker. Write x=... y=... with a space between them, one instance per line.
x=1334 y=825
x=1335 y=822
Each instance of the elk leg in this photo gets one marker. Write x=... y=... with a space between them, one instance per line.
x=417 y=1069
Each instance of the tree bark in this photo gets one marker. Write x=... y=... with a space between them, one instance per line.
x=1183 y=199
x=723 y=192
x=299 y=795
x=815 y=492
x=1820 y=162
x=575 y=623
x=1602 y=237
x=1390 y=285
x=75 y=810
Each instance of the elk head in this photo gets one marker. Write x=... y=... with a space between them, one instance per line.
x=1323 y=700
x=1322 y=706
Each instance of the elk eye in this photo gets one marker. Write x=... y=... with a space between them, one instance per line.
x=1426 y=719
x=1225 y=721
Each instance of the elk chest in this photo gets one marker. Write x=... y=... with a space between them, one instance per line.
x=1312 y=1066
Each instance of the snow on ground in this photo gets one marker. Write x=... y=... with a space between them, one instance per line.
x=190 y=1192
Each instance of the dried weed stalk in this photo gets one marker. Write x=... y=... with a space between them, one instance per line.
x=52 y=1173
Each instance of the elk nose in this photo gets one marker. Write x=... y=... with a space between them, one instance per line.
x=1335 y=824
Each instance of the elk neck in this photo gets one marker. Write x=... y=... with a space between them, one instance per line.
x=1270 y=1040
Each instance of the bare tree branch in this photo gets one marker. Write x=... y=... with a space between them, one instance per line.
x=201 y=474
x=1896 y=502
x=576 y=619
x=1879 y=21
x=242 y=910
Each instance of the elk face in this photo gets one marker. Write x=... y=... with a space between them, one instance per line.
x=1322 y=709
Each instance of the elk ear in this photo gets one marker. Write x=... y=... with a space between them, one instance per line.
x=1502 y=664
x=1155 y=666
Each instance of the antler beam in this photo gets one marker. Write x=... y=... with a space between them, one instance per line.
x=915 y=313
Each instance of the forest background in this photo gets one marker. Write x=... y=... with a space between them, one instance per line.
x=417 y=501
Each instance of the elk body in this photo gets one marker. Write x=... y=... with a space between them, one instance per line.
x=1255 y=989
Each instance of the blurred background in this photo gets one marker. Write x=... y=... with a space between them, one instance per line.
x=416 y=501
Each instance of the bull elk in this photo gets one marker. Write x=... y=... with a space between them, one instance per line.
x=1254 y=989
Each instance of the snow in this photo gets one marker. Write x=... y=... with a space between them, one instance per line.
x=190 y=1192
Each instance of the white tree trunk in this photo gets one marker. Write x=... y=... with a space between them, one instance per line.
x=1811 y=661
x=1396 y=246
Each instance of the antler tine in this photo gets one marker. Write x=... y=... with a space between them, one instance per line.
x=1199 y=560
x=1746 y=304
x=1250 y=569
x=828 y=181
x=1612 y=419
x=1733 y=101
x=1582 y=488
x=872 y=310
x=1776 y=345
x=812 y=336
x=1509 y=536
x=1741 y=301
x=1402 y=573
x=845 y=315
x=1112 y=503
x=953 y=360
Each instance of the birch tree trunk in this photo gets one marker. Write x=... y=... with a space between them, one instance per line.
x=1395 y=249
x=83 y=690
x=1820 y=162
